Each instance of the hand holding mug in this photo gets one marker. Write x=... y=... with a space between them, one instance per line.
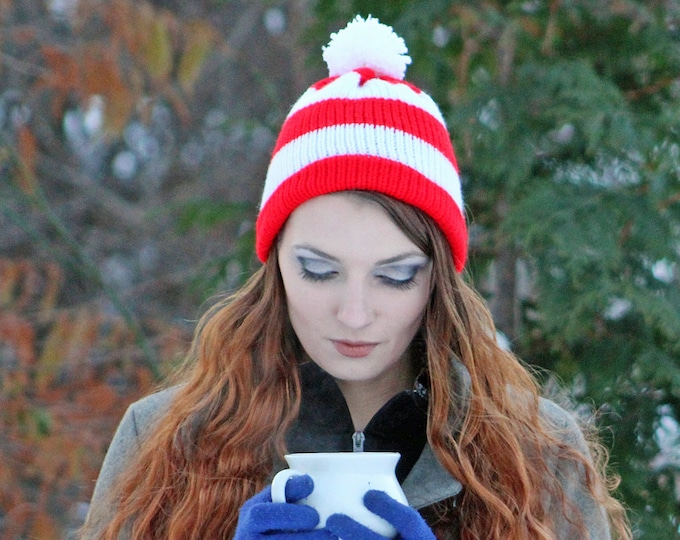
x=341 y=479
x=408 y=523
x=260 y=518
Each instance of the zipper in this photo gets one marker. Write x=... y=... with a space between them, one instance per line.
x=358 y=439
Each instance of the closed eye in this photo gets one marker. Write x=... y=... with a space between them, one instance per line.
x=314 y=269
x=401 y=276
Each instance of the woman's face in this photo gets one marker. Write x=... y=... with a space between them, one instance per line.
x=356 y=288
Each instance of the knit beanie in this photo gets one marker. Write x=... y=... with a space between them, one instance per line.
x=364 y=128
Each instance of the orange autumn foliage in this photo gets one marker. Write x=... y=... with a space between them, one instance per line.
x=66 y=377
x=68 y=372
x=142 y=51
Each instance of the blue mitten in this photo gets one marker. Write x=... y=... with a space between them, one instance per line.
x=260 y=518
x=409 y=523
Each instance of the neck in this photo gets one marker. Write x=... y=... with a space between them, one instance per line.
x=365 y=398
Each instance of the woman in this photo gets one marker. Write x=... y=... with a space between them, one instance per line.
x=357 y=331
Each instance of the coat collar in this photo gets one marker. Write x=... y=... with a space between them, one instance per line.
x=428 y=482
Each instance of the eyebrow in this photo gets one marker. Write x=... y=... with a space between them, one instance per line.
x=389 y=260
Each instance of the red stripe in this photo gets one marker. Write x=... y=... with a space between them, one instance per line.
x=366 y=74
x=369 y=173
x=372 y=111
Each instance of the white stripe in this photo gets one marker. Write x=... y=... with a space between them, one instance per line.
x=366 y=140
x=348 y=87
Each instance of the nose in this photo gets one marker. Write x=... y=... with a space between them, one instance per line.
x=354 y=310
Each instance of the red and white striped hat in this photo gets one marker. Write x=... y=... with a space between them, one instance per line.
x=364 y=128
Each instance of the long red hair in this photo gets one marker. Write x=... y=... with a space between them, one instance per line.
x=240 y=392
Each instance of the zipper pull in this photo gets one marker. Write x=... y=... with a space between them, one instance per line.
x=358 y=439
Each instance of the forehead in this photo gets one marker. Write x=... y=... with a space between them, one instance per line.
x=345 y=223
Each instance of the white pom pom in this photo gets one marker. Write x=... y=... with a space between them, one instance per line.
x=366 y=43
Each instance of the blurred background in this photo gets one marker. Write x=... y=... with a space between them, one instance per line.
x=134 y=139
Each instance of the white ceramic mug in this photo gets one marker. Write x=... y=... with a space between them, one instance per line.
x=340 y=481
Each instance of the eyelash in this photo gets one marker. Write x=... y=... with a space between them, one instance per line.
x=402 y=285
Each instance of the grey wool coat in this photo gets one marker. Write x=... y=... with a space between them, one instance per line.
x=398 y=426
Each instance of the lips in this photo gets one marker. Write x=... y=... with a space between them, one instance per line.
x=354 y=349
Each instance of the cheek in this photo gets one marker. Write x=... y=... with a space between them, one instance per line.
x=410 y=309
x=294 y=290
x=304 y=304
x=412 y=319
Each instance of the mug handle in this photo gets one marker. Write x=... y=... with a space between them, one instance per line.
x=279 y=484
